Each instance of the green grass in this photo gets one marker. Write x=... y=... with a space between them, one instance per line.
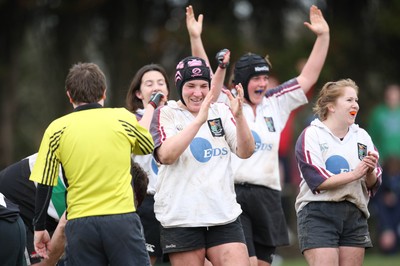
x=369 y=260
x=374 y=259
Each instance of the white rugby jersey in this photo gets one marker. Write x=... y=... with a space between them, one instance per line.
x=321 y=155
x=198 y=189
x=262 y=168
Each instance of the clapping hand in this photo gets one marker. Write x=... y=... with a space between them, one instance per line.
x=236 y=103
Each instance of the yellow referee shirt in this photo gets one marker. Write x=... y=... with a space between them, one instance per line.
x=94 y=147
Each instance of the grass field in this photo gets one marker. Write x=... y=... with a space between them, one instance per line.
x=370 y=260
x=374 y=259
x=291 y=255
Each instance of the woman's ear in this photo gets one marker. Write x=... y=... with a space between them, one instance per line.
x=331 y=108
x=139 y=94
x=69 y=97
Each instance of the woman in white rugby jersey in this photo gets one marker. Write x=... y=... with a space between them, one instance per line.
x=339 y=167
x=257 y=179
x=195 y=200
x=149 y=89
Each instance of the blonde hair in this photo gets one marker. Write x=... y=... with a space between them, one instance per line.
x=329 y=93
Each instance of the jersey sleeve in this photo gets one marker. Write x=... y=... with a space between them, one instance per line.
x=287 y=97
x=141 y=140
x=42 y=201
x=45 y=170
x=162 y=125
x=378 y=170
x=145 y=144
x=310 y=160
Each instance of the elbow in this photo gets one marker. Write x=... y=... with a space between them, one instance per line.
x=246 y=153
x=165 y=159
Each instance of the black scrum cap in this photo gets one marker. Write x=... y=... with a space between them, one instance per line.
x=248 y=66
x=188 y=69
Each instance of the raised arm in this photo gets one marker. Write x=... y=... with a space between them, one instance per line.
x=195 y=28
x=218 y=79
x=311 y=70
x=174 y=146
x=157 y=99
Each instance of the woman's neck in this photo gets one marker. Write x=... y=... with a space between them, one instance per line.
x=337 y=129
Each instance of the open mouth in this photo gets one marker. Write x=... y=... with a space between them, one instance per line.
x=353 y=113
x=259 y=91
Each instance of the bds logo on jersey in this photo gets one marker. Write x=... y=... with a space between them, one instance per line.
x=203 y=151
x=260 y=146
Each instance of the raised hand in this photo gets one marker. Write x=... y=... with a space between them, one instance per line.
x=236 y=103
x=317 y=24
x=223 y=58
x=194 y=27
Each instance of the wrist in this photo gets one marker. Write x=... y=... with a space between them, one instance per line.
x=155 y=99
x=353 y=176
x=223 y=65
x=39 y=227
x=221 y=56
x=153 y=104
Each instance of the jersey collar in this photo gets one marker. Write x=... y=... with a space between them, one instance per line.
x=87 y=107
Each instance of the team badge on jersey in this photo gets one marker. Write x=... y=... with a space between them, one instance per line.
x=362 y=151
x=270 y=124
x=216 y=128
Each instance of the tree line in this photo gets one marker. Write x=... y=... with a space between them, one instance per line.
x=40 y=40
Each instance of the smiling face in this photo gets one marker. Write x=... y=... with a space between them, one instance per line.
x=152 y=81
x=193 y=93
x=257 y=88
x=346 y=107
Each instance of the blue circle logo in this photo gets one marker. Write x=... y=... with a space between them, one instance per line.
x=201 y=149
x=336 y=164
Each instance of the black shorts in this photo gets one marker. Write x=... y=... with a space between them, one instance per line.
x=179 y=239
x=106 y=240
x=263 y=220
x=151 y=226
x=332 y=224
